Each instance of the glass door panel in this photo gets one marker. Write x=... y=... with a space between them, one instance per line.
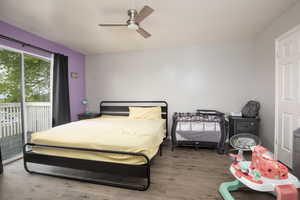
x=37 y=94
x=25 y=86
x=10 y=106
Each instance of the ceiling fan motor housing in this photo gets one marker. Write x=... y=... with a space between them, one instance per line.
x=131 y=21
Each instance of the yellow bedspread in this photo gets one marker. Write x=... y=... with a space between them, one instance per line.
x=118 y=134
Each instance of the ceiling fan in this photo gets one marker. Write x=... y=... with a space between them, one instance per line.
x=134 y=20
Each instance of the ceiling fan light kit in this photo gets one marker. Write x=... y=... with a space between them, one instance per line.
x=134 y=20
x=133 y=26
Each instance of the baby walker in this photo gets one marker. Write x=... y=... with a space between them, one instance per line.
x=262 y=174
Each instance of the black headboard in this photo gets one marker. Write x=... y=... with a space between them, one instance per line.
x=121 y=108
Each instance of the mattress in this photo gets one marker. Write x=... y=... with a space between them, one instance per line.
x=104 y=133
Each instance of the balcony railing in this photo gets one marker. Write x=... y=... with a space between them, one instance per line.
x=37 y=118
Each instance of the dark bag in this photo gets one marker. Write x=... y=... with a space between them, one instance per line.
x=251 y=109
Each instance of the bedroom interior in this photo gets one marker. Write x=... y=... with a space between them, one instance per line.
x=143 y=99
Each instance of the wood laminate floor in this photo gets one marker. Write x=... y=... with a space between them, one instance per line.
x=185 y=174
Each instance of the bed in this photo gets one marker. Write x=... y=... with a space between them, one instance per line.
x=112 y=143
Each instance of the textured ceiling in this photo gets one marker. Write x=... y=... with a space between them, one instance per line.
x=73 y=23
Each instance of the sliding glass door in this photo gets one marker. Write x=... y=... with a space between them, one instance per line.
x=25 y=98
x=10 y=103
x=37 y=88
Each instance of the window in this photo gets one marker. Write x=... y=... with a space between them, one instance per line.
x=10 y=75
x=37 y=79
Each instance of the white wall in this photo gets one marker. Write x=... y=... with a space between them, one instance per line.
x=265 y=69
x=219 y=77
x=222 y=76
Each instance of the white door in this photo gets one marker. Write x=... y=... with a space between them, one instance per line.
x=287 y=117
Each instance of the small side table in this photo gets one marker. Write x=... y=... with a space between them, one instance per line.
x=243 y=125
x=87 y=115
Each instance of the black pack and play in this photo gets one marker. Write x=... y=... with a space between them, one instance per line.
x=204 y=128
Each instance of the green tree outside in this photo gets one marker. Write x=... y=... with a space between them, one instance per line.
x=37 y=78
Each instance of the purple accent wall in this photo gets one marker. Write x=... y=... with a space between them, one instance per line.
x=76 y=61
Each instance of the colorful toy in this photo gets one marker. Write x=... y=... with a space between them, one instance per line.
x=262 y=174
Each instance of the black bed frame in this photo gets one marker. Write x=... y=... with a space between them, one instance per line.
x=119 y=108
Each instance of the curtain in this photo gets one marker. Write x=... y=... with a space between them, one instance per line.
x=61 y=98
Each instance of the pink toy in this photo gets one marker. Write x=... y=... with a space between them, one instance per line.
x=263 y=174
x=286 y=192
x=263 y=162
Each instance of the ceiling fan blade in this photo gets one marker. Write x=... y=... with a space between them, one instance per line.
x=145 y=12
x=144 y=33
x=112 y=25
